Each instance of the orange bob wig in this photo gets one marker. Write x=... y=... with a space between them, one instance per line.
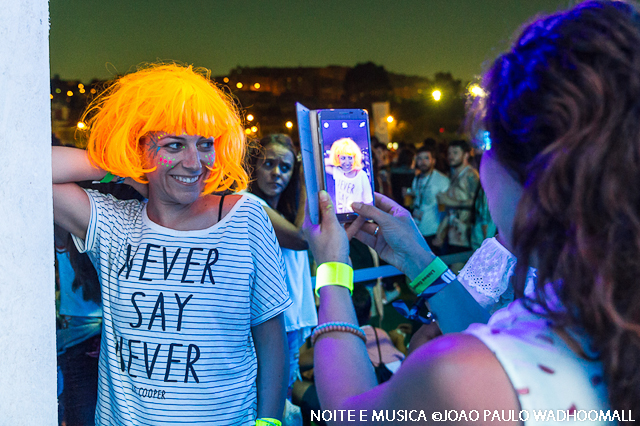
x=166 y=98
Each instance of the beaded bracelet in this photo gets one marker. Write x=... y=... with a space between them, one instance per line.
x=338 y=326
x=265 y=421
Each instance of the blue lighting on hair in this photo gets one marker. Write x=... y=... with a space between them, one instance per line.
x=485 y=141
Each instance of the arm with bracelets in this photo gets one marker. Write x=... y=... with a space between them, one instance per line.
x=430 y=379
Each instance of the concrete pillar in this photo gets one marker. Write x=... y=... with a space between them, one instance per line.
x=27 y=299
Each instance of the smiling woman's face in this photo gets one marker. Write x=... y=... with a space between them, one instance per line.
x=274 y=171
x=181 y=163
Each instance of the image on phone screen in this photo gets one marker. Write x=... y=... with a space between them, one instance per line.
x=347 y=162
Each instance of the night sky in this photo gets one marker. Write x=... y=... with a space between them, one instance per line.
x=91 y=38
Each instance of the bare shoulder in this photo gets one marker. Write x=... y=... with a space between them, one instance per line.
x=462 y=368
x=453 y=372
x=229 y=203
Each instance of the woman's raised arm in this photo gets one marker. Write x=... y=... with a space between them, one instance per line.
x=71 y=207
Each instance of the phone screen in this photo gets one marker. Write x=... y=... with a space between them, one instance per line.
x=346 y=152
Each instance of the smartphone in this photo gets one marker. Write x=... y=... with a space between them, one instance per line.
x=345 y=143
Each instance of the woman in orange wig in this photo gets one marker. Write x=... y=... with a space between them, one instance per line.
x=351 y=182
x=192 y=281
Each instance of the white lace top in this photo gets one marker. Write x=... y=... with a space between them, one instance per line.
x=487 y=274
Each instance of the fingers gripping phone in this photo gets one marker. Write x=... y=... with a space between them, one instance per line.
x=336 y=152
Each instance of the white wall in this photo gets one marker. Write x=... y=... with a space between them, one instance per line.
x=27 y=308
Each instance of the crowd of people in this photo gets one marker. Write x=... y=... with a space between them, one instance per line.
x=202 y=300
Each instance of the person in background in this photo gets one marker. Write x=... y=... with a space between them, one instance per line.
x=453 y=235
x=278 y=184
x=381 y=173
x=380 y=346
x=424 y=188
x=402 y=173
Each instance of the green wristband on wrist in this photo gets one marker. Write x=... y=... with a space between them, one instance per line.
x=334 y=273
x=265 y=421
x=427 y=277
x=109 y=177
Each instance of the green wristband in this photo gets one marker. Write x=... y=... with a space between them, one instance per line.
x=427 y=277
x=265 y=421
x=107 y=178
x=334 y=273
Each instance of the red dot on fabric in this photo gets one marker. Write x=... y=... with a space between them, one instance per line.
x=546 y=369
x=572 y=409
x=523 y=391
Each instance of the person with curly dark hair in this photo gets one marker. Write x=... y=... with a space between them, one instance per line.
x=277 y=184
x=562 y=112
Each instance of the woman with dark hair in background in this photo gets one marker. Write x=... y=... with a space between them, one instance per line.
x=278 y=185
x=562 y=111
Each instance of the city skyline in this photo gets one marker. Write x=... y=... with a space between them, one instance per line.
x=91 y=39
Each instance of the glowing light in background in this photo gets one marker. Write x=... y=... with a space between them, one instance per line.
x=256 y=86
x=226 y=79
x=239 y=85
x=437 y=95
x=247 y=131
x=289 y=124
x=69 y=93
x=81 y=125
x=389 y=119
x=476 y=91
x=250 y=117
x=254 y=129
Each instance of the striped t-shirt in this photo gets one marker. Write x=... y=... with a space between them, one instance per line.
x=178 y=307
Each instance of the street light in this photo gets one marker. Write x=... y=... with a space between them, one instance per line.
x=389 y=119
x=254 y=129
x=81 y=125
x=250 y=117
x=239 y=85
x=437 y=95
x=247 y=131
x=477 y=91
x=226 y=79
x=256 y=86
x=289 y=124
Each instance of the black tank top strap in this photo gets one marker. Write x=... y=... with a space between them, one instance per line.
x=220 y=208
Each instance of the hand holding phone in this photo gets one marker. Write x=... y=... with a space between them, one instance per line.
x=336 y=149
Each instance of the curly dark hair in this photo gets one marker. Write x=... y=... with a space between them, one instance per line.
x=290 y=197
x=563 y=112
